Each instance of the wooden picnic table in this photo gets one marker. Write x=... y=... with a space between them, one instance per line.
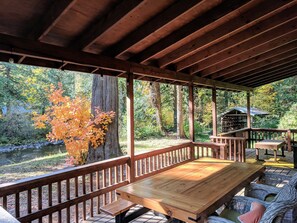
x=270 y=145
x=192 y=191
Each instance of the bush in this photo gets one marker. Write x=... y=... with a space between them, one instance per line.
x=289 y=120
x=16 y=129
x=148 y=131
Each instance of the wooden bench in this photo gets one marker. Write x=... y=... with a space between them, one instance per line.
x=119 y=209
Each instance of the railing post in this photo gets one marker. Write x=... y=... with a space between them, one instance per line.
x=289 y=140
x=191 y=121
x=130 y=128
x=214 y=112
x=248 y=108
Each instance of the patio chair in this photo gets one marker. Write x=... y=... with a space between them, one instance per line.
x=271 y=194
x=285 y=200
x=276 y=179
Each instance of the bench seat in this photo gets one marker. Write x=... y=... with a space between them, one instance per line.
x=117 y=207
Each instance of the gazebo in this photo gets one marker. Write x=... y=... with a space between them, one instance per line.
x=234 y=45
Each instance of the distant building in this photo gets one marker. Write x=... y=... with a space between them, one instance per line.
x=236 y=118
x=15 y=109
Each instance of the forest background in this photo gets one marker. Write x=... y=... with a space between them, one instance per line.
x=160 y=109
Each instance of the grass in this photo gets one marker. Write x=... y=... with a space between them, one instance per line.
x=46 y=164
x=30 y=168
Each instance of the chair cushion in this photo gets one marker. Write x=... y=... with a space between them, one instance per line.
x=270 y=197
x=230 y=215
x=254 y=215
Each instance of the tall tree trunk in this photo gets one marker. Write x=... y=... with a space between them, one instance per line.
x=105 y=96
x=180 y=120
x=175 y=109
x=156 y=101
x=8 y=79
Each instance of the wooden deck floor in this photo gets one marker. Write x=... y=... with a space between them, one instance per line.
x=283 y=166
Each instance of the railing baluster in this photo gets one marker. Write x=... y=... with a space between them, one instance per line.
x=59 y=201
x=50 y=200
x=97 y=188
x=29 y=201
x=17 y=205
x=76 y=195
x=91 y=190
x=84 y=192
x=68 y=199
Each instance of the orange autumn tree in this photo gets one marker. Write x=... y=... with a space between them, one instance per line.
x=71 y=120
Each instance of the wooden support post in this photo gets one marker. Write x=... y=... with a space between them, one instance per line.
x=248 y=107
x=191 y=119
x=214 y=112
x=130 y=127
x=248 y=118
x=288 y=141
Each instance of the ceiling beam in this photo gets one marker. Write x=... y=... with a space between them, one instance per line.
x=260 y=42
x=49 y=19
x=268 y=73
x=250 y=14
x=164 y=18
x=253 y=62
x=267 y=68
x=284 y=15
x=265 y=81
x=34 y=49
x=103 y=23
x=189 y=29
x=257 y=79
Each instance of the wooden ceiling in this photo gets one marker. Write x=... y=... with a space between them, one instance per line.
x=230 y=44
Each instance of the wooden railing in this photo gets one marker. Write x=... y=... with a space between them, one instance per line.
x=235 y=146
x=254 y=135
x=150 y=163
x=67 y=195
x=215 y=150
x=73 y=194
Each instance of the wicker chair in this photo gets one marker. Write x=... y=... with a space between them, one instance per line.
x=276 y=179
x=271 y=194
x=275 y=211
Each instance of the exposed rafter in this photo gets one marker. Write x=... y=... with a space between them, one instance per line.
x=187 y=30
x=251 y=13
x=102 y=24
x=273 y=67
x=23 y=47
x=49 y=19
x=262 y=66
x=257 y=44
x=254 y=62
x=157 y=22
x=270 y=22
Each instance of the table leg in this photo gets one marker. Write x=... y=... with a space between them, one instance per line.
x=275 y=153
x=257 y=154
x=266 y=152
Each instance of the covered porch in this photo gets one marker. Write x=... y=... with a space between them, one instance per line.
x=231 y=45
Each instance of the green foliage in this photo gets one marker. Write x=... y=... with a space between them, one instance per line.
x=18 y=129
x=289 y=120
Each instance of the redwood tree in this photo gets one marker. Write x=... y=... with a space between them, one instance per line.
x=105 y=97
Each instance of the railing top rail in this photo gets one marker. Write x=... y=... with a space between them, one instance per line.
x=159 y=151
x=227 y=137
x=33 y=182
x=235 y=131
x=269 y=130
x=209 y=144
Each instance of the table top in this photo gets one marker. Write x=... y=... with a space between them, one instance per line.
x=193 y=190
x=273 y=144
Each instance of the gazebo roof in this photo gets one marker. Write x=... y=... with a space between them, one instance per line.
x=243 y=110
x=229 y=44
